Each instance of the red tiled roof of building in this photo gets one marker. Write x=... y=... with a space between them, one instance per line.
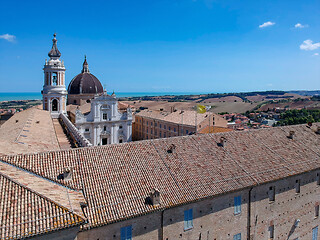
x=29 y=131
x=214 y=129
x=25 y=213
x=116 y=179
x=179 y=117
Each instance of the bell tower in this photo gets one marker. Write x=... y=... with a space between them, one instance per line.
x=54 y=93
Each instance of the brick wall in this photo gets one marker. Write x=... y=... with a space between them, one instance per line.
x=214 y=219
x=287 y=207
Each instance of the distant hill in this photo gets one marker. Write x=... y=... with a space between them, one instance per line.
x=306 y=93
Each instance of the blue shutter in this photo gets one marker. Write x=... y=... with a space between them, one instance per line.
x=237 y=204
x=190 y=218
x=126 y=233
x=237 y=236
x=123 y=233
x=315 y=233
x=186 y=219
x=129 y=233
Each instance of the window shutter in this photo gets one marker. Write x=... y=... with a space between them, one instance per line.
x=315 y=233
x=186 y=219
x=129 y=233
x=123 y=233
x=237 y=204
x=190 y=218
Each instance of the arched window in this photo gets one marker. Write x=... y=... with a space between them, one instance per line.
x=54 y=79
x=54 y=105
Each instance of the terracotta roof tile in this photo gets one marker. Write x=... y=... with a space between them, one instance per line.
x=24 y=213
x=28 y=131
x=116 y=179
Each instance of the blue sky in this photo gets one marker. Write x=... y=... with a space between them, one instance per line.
x=165 y=45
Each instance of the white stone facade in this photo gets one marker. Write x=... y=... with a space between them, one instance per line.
x=105 y=124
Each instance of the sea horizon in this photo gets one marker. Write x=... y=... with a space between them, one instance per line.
x=16 y=96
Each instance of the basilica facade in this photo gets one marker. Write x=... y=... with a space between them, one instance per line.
x=104 y=123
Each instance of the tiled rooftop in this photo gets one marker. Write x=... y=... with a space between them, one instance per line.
x=178 y=117
x=116 y=179
x=28 y=131
x=25 y=213
x=214 y=129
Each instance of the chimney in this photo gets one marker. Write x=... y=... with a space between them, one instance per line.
x=171 y=109
x=291 y=134
x=155 y=197
x=318 y=130
x=223 y=142
x=171 y=149
x=66 y=175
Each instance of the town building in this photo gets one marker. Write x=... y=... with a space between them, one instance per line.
x=152 y=124
x=54 y=90
x=5 y=116
x=256 y=184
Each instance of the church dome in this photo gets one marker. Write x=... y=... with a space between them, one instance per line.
x=85 y=82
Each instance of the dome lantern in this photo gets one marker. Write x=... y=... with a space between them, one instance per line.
x=85 y=65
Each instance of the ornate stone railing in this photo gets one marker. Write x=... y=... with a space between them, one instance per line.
x=77 y=135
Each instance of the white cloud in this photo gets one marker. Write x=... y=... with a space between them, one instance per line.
x=308 y=45
x=267 y=24
x=8 y=37
x=316 y=54
x=299 y=25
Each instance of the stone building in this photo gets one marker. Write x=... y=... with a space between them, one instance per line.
x=54 y=90
x=105 y=124
x=152 y=124
x=84 y=86
x=256 y=184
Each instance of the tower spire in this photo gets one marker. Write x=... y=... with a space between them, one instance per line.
x=54 y=52
x=85 y=66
